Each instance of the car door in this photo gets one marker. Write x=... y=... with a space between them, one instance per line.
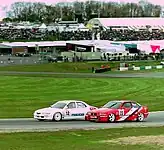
x=82 y=110
x=125 y=111
x=70 y=111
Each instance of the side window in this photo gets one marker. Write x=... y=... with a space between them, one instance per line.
x=134 y=105
x=127 y=105
x=81 y=105
x=71 y=105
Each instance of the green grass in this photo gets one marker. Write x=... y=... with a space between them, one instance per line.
x=78 y=140
x=70 y=67
x=20 y=96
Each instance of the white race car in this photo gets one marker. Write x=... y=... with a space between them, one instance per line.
x=64 y=110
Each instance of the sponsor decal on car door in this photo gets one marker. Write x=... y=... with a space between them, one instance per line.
x=74 y=113
x=76 y=110
x=82 y=110
x=126 y=111
x=70 y=109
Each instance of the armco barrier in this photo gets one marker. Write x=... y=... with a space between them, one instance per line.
x=101 y=70
x=159 y=67
x=123 y=68
x=141 y=68
x=130 y=68
x=136 y=68
x=148 y=67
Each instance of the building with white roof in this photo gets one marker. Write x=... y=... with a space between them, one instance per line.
x=53 y=46
x=129 y=23
x=15 y=47
x=82 y=46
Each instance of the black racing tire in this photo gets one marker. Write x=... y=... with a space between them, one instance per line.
x=140 y=117
x=112 y=118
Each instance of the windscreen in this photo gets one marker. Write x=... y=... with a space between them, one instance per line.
x=59 y=105
x=114 y=105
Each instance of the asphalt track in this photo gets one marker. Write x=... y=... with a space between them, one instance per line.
x=88 y=75
x=30 y=125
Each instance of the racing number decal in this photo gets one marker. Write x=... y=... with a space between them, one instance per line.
x=121 y=112
x=67 y=113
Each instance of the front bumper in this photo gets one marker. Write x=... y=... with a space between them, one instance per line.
x=96 y=118
x=43 y=116
x=146 y=114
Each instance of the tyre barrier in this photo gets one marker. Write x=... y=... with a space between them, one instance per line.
x=141 y=68
x=101 y=70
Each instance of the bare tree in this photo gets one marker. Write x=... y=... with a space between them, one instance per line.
x=23 y=11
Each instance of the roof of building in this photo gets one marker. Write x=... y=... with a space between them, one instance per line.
x=90 y=42
x=152 y=21
x=35 y=44
x=55 y=43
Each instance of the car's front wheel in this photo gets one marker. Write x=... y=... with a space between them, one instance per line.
x=111 y=118
x=140 y=117
x=57 y=116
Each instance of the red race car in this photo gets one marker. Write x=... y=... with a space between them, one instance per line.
x=115 y=111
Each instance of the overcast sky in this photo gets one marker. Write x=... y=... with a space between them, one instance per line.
x=9 y=2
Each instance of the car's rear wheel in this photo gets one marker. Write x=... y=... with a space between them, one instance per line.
x=140 y=117
x=57 y=116
x=111 y=118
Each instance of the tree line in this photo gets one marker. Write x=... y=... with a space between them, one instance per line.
x=79 y=11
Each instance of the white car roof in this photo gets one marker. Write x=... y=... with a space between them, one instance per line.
x=68 y=101
x=122 y=101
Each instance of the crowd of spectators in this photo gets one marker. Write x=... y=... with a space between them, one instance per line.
x=130 y=35
x=76 y=35
x=21 y=34
x=114 y=35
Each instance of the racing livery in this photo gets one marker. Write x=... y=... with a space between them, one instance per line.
x=64 y=110
x=115 y=111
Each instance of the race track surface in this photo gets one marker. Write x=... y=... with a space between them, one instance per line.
x=97 y=75
x=30 y=125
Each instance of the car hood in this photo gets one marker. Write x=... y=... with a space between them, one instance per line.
x=48 y=110
x=102 y=110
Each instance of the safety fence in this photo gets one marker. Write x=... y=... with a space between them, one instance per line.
x=141 y=68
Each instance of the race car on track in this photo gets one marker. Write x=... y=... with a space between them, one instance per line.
x=64 y=110
x=115 y=111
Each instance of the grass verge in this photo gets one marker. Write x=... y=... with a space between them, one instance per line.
x=71 y=67
x=20 y=96
x=108 y=139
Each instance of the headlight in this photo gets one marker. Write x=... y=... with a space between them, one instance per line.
x=88 y=113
